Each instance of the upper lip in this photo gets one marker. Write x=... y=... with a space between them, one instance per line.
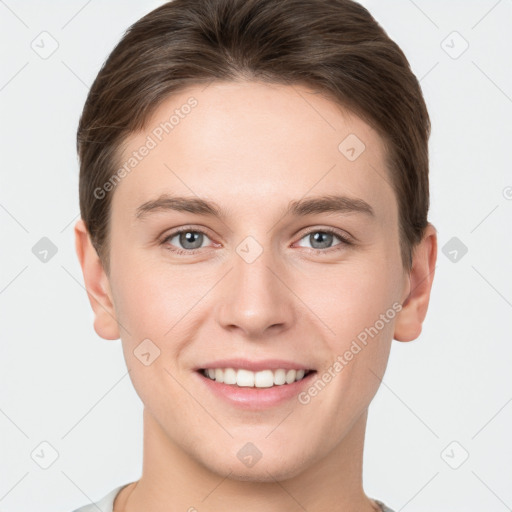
x=255 y=366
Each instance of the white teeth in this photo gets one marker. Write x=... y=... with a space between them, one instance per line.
x=264 y=379
x=261 y=379
x=290 y=376
x=219 y=375
x=229 y=376
x=244 y=378
x=279 y=377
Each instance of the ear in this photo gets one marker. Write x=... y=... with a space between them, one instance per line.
x=414 y=309
x=96 y=284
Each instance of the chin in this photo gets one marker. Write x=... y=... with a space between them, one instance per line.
x=262 y=471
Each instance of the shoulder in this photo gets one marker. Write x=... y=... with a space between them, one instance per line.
x=383 y=507
x=105 y=504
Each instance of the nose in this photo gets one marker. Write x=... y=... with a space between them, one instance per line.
x=255 y=298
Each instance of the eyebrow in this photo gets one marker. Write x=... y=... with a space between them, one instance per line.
x=300 y=208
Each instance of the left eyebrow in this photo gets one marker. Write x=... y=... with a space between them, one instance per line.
x=300 y=208
x=330 y=203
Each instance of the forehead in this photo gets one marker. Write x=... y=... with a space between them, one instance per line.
x=254 y=143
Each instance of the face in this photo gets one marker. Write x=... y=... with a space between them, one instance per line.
x=289 y=259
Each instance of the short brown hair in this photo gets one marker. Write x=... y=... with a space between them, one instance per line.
x=332 y=46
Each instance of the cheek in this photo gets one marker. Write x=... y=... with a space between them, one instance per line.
x=360 y=312
x=149 y=300
x=159 y=305
x=348 y=300
x=150 y=306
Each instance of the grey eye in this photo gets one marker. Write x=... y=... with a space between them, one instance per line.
x=320 y=239
x=188 y=239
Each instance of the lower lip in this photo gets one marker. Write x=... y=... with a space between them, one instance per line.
x=256 y=398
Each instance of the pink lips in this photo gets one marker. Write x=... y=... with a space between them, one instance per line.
x=252 y=398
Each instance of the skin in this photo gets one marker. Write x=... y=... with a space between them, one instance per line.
x=253 y=148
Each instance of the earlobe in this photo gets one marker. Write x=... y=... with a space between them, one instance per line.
x=97 y=285
x=414 y=308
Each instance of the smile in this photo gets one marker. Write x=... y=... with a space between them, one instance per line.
x=260 y=379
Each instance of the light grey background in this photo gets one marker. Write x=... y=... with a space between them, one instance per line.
x=444 y=396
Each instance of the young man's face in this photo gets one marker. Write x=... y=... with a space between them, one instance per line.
x=259 y=283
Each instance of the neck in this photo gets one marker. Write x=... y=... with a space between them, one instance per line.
x=174 y=480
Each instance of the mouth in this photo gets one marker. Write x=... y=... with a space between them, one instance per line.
x=254 y=390
x=244 y=378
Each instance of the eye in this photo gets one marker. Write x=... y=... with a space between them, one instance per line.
x=190 y=239
x=322 y=239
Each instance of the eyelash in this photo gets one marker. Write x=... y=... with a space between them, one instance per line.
x=344 y=241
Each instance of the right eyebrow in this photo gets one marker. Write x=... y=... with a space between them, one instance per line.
x=180 y=204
